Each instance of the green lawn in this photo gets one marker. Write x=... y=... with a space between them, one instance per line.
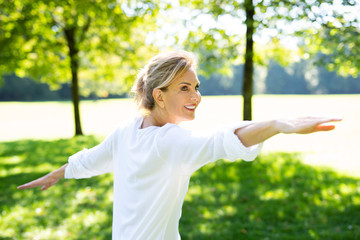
x=274 y=197
x=337 y=149
x=281 y=195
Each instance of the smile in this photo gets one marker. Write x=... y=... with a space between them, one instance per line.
x=190 y=107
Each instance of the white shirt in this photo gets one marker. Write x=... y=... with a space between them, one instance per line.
x=152 y=169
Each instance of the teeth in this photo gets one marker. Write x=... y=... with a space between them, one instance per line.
x=190 y=107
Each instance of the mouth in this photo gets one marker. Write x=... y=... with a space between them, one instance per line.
x=191 y=107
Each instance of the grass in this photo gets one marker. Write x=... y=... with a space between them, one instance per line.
x=337 y=149
x=71 y=210
x=278 y=196
x=275 y=197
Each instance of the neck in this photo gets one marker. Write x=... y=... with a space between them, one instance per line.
x=155 y=118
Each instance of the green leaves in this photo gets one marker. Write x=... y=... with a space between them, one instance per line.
x=340 y=48
x=109 y=39
x=323 y=26
x=212 y=47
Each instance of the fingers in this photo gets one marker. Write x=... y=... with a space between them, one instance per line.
x=324 y=124
x=43 y=182
x=36 y=183
x=26 y=186
x=30 y=185
x=332 y=120
x=324 y=127
x=48 y=185
x=336 y=119
x=44 y=187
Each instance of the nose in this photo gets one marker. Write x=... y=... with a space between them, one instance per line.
x=196 y=97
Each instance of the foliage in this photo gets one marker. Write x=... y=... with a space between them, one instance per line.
x=212 y=48
x=59 y=40
x=109 y=41
x=341 y=53
x=301 y=77
x=274 y=197
x=270 y=23
x=14 y=88
x=208 y=35
x=336 y=40
x=274 y=22
x=305 y=77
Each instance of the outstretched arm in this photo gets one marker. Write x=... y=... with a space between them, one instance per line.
x=258 y=132
x=83 y=164
x=46 y=181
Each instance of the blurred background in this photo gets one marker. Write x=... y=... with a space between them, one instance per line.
x=67 y=67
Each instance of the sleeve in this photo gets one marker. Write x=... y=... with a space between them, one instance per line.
x=233 y=147
x=92 y=162
x=188 y=150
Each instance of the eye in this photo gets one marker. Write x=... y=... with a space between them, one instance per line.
x=197 y=87
x=184 y=88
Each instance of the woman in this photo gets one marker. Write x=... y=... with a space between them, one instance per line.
x=153 y=158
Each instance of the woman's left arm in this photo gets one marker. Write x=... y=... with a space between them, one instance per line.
x=259 y=132
x=46 y=181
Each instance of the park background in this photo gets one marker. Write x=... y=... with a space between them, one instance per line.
x=305 y=61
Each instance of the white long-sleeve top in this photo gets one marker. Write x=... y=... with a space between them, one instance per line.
x=152 y=169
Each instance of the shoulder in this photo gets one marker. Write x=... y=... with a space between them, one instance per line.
x=132 y=122
x=172 y=130
x=175 y=135
x=126 y=126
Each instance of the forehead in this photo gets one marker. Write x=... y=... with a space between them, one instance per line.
x=189 y=76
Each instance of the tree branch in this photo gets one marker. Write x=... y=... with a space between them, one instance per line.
x=84 y=29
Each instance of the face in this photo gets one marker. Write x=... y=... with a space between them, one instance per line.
x=181 y=98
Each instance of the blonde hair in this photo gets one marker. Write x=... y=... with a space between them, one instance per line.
x=159 y=73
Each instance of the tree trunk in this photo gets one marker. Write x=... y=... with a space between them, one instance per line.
x=73 y=53
x=247 y=90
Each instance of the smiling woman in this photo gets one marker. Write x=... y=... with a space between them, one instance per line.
x=170 y=83
x=177 y=102
x=152 y=158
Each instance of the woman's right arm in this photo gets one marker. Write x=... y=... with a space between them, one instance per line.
x=46 y=181
x=84 y=164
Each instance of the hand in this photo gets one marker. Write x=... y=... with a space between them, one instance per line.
x=46 y=181
x=305 y=125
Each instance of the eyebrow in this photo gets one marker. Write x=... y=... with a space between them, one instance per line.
x=187 y=83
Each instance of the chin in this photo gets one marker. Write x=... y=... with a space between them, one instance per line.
x=189 y=118
x=186 y=119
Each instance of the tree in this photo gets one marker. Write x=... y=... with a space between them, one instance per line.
x=14 y=88
x=337 y=47
x=247 y=90
x=58 y=40
x=273 y=20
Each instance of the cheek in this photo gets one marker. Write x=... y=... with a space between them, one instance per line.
x=178 y=102
x=199 y=97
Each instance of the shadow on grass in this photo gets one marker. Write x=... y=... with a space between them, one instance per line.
x=73 y=209
x=274 y=197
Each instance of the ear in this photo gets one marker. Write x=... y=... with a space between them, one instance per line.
x=158 y=97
